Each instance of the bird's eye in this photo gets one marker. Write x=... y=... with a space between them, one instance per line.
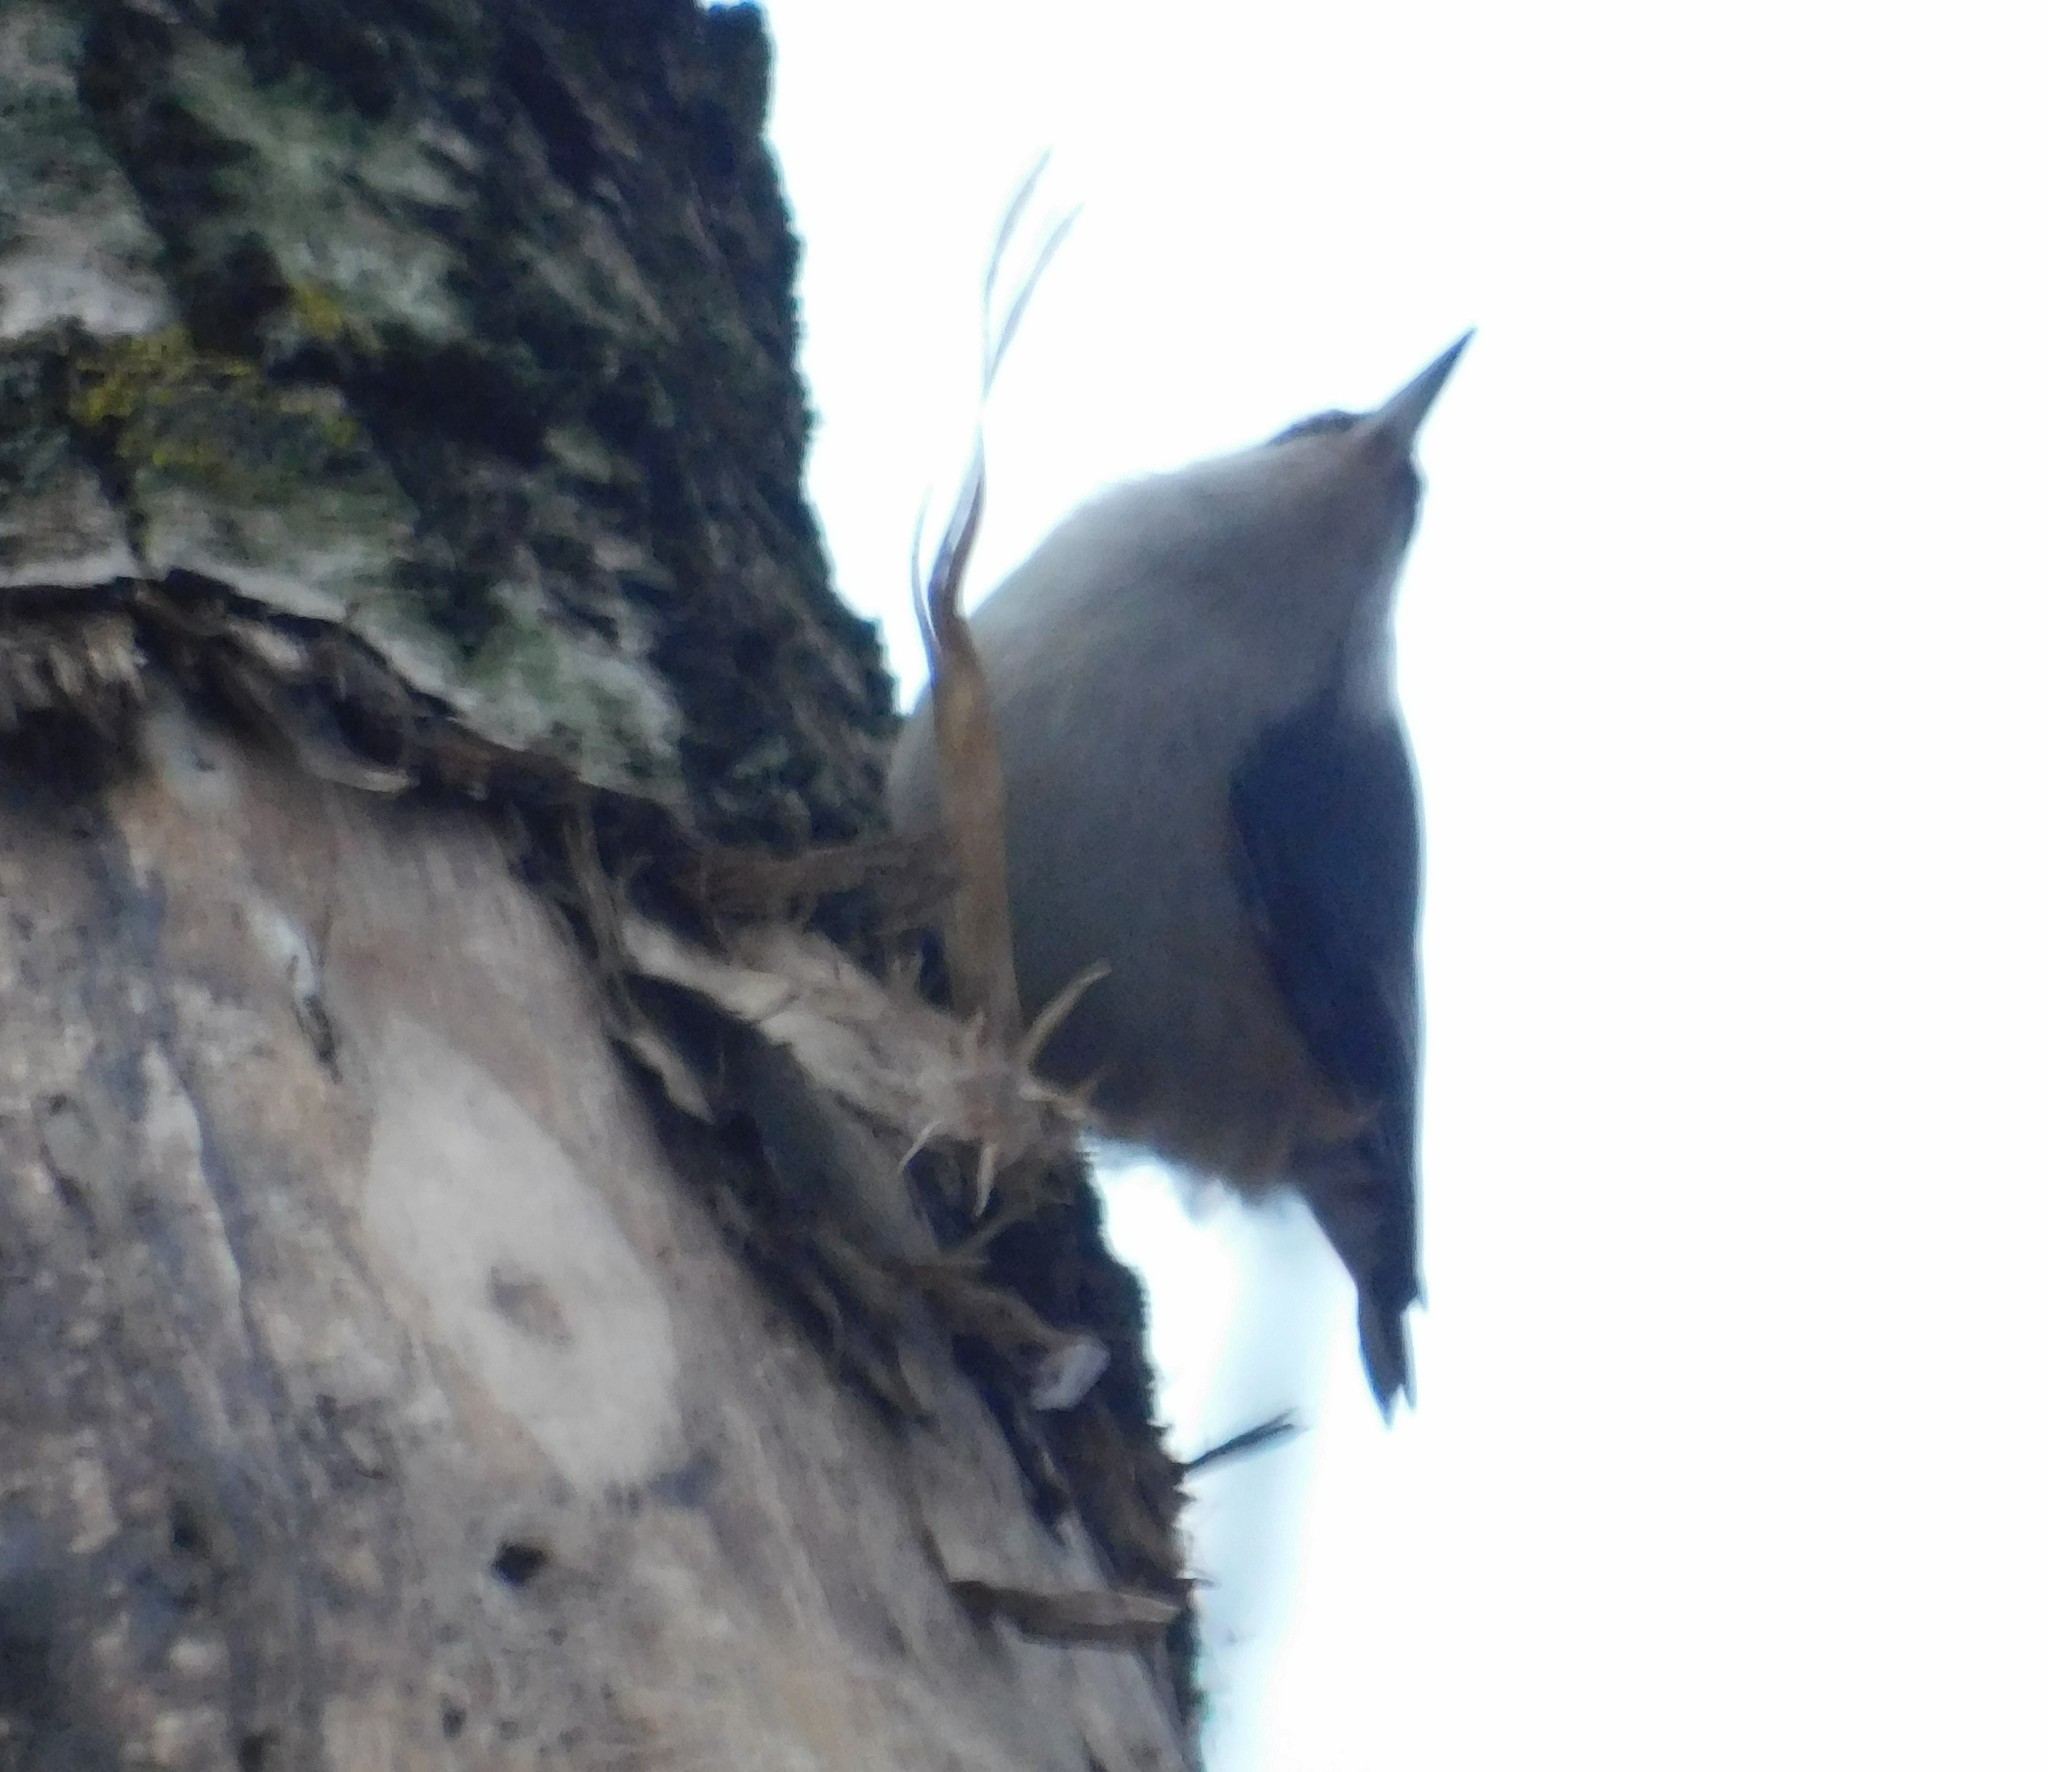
x=1316 y=425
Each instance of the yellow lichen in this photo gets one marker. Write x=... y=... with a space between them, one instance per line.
x=321 y=314
x=165 y=404
x=121 y=378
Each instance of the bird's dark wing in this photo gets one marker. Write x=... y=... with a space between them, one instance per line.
x=1331 y=842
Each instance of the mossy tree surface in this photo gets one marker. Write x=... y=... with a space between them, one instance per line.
x=470 y=330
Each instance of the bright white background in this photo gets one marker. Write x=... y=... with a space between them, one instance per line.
x=1723 y=652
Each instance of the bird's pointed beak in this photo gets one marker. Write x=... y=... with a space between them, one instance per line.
x=1402 y=416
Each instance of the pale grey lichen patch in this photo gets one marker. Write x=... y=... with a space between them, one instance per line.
x=73 y=241
x=342 y=204
x=62 y=533
x=582 y=453
x=312 y=556
x=60 y=269
x=591 y=274
x=597 y=704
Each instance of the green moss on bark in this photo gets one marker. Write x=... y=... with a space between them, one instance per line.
x=482 y=337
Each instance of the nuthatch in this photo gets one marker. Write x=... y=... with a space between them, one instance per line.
x=1209 y=790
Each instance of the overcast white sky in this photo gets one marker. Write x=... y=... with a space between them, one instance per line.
x=1722 y=648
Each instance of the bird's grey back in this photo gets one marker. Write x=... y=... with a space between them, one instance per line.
x=1134 y=659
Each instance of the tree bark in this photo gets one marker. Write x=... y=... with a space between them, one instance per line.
x=400 y=456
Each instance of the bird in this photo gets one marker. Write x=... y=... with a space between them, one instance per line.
x=1209 y=794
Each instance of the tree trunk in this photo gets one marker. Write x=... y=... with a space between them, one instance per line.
x=404 y=574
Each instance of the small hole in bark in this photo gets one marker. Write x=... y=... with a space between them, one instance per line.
x=518 y=1563
x=252 y=1753
x=187 y=1536
x=452 y=1718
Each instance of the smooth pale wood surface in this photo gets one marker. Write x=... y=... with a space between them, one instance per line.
x=295 y=1348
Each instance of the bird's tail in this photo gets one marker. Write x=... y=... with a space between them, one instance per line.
x=1370 y=1222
